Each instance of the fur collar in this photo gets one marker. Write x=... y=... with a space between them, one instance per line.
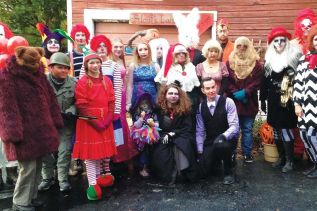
x=275 y=62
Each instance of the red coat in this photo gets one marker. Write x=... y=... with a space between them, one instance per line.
x=251 y=85
x=94 y=100
x=29 y=113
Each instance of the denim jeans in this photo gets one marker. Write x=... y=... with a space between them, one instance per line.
x=246 y=125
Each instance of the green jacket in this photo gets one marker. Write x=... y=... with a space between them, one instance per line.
x=66 y=98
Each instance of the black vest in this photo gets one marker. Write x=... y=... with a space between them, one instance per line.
x=217 y=123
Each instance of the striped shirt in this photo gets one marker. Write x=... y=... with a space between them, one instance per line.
x=77 y=61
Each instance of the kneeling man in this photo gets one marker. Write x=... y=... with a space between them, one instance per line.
x=217 y=129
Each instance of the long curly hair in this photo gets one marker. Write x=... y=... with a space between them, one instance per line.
x=182 y=107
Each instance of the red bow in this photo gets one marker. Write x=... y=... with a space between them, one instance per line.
x=312 y=59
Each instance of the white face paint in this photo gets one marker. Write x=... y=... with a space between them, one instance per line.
x=2 y=33
x=52 y=45
x=315 y=42
x=279 y=44
x=306 y=25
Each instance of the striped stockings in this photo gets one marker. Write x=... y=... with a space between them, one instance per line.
x=105 y=166
x=95 y=168
x=93 y=171
x=283 y=134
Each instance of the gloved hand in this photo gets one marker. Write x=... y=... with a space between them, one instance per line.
x=240 y=95
x=97 y=124
x=108 y=120
x=263 y=106
x=167 y=137
x=220 y=139
x=199 y=156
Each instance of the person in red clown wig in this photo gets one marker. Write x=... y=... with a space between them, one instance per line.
x=304 y=21
x=80 y=35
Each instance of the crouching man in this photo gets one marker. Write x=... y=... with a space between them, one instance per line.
x=64 y=87
x=217 y=128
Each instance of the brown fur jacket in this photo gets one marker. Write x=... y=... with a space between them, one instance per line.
x=29 y=113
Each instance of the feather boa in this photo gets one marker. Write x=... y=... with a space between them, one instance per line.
x=145 y=135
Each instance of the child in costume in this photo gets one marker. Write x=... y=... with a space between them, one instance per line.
x=145 y=129
x=94 y=136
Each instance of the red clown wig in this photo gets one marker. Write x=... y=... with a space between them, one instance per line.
x=303 y=14
x=96 y=40
x=80 y=28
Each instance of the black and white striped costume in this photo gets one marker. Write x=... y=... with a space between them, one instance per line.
x=305 y=95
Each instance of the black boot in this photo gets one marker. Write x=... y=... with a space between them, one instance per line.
x=1 y=181
x=12 y=175
x=289 y=152
x=281 y=154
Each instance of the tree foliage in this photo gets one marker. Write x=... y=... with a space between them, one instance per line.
x=22 y=16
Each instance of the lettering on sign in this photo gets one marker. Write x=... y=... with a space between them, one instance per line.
x=151 y=19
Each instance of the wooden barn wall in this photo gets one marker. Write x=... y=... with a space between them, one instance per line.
x=251 y=18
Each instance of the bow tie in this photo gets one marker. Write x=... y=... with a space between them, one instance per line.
x=212 y=104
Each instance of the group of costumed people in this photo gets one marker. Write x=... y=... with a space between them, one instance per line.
x=187 y=106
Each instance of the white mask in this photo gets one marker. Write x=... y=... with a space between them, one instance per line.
x=306 y=25
x=53 y=45
x=279 y=44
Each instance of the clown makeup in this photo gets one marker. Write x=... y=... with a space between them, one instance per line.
x=102 y=49
x=2 y=34
x=80 y=38
x=279 y=44
x=53 y=45
x=117 y=49
x=172 y=96
x=159 y=51
x=315 y=42
x=306 y=25
x=143 y=51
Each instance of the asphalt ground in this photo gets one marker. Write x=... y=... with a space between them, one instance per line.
x=258 y=187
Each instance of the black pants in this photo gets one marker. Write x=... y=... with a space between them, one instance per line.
x=213 y=153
